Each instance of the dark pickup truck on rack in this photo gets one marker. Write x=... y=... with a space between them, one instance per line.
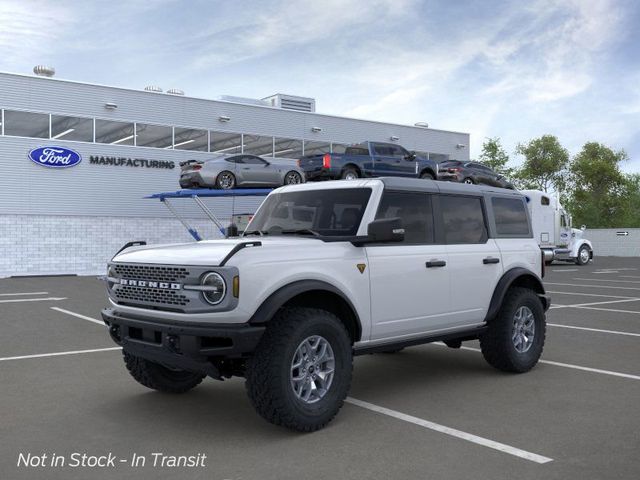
x=368 y=159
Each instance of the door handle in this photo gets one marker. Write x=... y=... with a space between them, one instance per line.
x=436 y=263
x=490 y=260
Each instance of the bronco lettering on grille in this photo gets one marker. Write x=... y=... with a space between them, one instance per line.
x=149 y=284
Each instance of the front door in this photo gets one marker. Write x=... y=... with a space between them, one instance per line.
x=410 y=280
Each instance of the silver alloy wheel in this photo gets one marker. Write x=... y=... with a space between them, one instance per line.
x=524 y=329
x=312 y=369
x=292 y=178
x=351 y=176
x=468 y=181
x=226 y=180
x=584 y=255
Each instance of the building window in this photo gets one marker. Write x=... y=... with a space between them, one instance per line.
x=157 y=136
x=287 y=148
x=438 y=157
x=71 y=128
x=190 y=139
x=225 y=143
x=316 y=148
x=115 y=133
x=257 y=145
x=26 y=124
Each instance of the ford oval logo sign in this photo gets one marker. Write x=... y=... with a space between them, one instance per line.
x=55 y=157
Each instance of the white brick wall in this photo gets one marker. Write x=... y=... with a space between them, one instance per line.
x=50 y=245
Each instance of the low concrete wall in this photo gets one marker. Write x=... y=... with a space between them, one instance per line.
x=614 y=242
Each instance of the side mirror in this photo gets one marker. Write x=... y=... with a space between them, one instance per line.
x=384 y=230
x=410 y=156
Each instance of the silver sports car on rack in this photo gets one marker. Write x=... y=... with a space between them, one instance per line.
x=240 y=170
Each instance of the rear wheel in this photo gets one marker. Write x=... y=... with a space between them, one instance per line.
x=225 y=180
x=349 y=173
x=292 y=178
x=514 y=339
x=427 y=176
x=468 y=181
x=158 y=377
x=300 y=373
x=584 y=255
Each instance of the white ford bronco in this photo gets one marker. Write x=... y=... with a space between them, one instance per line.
x=327 y=271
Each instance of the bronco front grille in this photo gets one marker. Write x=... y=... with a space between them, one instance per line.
x=157 y=296
x=152 y=273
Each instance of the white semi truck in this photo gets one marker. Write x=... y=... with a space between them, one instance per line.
x=553 y=231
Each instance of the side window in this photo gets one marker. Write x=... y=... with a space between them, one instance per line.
x=511 y=217
x=234 y=159
x=251 y=160
x=382 y=150
x=398 y=151
x=415 y=211
x=463 y=219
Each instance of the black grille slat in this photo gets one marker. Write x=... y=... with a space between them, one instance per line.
x=151 y=295
x=136 y=295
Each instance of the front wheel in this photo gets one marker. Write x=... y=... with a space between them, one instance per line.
x=514 y=339
x=292 y=178
x=300 y=373
x=158 y=377
x=584 y=255
x=468 y=181
x=225 y=180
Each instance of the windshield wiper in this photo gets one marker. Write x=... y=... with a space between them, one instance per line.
x=301 y=231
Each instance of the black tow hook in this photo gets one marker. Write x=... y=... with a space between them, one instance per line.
x=114 y=331
x=173 y=343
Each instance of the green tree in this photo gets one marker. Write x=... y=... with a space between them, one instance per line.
x=545 y=164
x=495 y=157
x=600 y=195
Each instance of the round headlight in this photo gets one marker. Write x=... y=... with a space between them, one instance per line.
x=216 y=288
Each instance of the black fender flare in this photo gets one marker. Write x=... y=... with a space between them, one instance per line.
x=507 y=280
x=430 y=170
x=277 y=299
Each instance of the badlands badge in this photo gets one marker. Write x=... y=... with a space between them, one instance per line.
x=361 y=267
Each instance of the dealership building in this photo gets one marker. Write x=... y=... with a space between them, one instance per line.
x=127 y=144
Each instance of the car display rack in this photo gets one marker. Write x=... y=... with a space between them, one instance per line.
x=196 y=195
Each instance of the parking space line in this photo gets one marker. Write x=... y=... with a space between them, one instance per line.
x=57 y=354
x=607 y=280
x=22 y=293
x=579 y=305
x=587 y=294
x=614 y=332
x=569 y=270
x=629 y=276
x=610 y=310
x=566 y=365
x=592 y=286
x=485 y=442
x=19 y=300
x=73 y=314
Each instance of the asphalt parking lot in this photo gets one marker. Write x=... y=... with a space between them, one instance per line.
x=429 y=412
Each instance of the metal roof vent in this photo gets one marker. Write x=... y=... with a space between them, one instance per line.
x=291 y=102
x=175 y=91
x=44 y=71
x=153 y=88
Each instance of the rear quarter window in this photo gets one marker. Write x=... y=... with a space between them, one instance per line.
x=463 y=219
x=511 y=217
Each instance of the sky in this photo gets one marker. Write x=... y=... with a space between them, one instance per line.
x=509 y=69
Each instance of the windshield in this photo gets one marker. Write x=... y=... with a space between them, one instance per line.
x=334 y=212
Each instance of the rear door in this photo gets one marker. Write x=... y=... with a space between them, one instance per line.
x=475 y=264
x=409 y=280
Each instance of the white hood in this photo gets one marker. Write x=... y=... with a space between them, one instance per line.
x=206 y=253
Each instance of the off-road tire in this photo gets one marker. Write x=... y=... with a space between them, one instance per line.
x=579 y=260
x=268 y=372
x=427 y=176
x=155 y=376
x=349 y=172
x=496 y=343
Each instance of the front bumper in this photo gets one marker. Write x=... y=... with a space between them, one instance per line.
x=188 y=347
